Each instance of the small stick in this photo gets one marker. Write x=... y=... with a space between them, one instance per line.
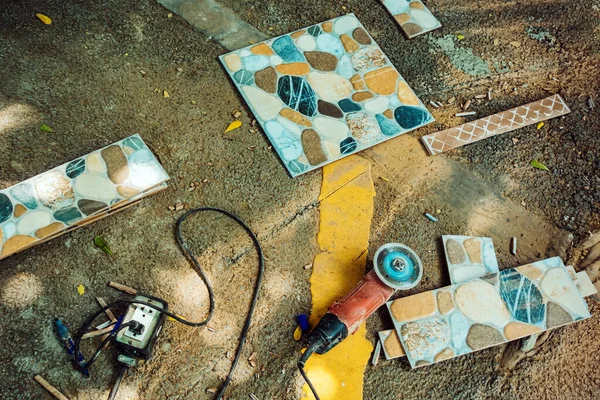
x=465 y=114
x=108 y=311
x=513 y=246
x=466 y=105
x=51 y=389
x=376 y=353
x=122 y=288
x=99 y=332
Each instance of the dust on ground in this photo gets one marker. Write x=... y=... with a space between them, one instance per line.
x=82 y=75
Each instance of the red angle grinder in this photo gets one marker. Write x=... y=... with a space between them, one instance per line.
x=395 y=267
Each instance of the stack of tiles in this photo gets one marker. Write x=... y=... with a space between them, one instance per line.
x=412 y=15
x=469 y=257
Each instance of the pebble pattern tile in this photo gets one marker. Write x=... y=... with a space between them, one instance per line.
x=484 y=312
x=532 y=113
x=77 y=192
x=469 y=257
x=392 y=348
x=324 y=92
x=412 y=16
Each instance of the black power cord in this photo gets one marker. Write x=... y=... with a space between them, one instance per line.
x=301 y=363
x=190 y=254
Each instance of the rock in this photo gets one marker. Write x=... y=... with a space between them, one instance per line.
x=332 y=149
x=255 y=63
x=357 y=82
x=423 y=18
x=592 y=255
x=424 y=339
x=558 y=286
x=367 y=58
x=522 y=297
x=23 y=193
x=345 y=68
x=349 y=44
x=15 y=244
x=406 y=95
x=348 y=105
x=244 y=77
x=146 y=172
x=377 y=105
x=331 y=129
x=306 y=43
x=445 y=354
x=285 y=48
x=345 y=24
x=455 y=252
x=134 y=142
x=315 y=30
x=295 y=117
x=116 y=164
x=6 y=208
x=473 y=248
x=321 y=61
x=411 y=117
x=411 y=29
x=287 y=146
x=363 y=128
x=347 y=146
x=311 y=143
x=531 y=271
x=392 y=345
x=95 y=164
x=330 y=44
x=517 y=330
x=68 y=215
x=89 y=207
x=411 y=308
x=33 y=221
x=262 y=49
x=297 y=94
x=96 y=187
x=266 y=79
x=330 y=110
x=482 y=336
x=19 y=210
x=467 y=273
x=76 y=168
x=327 y=26
x=297 y=69
x=329 y=86
x=233 y=62
x=296 y=167
x=54 y=190
x=265 y=106
x=362 y=96
x=444 y=302
x=388 y=128
x=382 y=81
x=361 y=36
x=49 y=230
x=480 y=302
x=388 y=114
x=275 y=60
x=557 y=316
x=298 y=34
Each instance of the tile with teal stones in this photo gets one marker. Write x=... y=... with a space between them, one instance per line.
x=51 y=202
x=469 y=257
x=413 y=17
x=324 y=92
x=463 y=318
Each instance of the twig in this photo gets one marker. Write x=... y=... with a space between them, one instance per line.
x=51 y=389
x=108 y=311
x=122 y=288
x=99 y=332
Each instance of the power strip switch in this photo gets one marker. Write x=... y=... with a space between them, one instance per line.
x=138 y=342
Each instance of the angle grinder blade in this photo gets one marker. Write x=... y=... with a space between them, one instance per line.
x=398 y=266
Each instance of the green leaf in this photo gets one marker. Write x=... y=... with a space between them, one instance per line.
x=45 y=128
x=536 y=164
x=101 y=243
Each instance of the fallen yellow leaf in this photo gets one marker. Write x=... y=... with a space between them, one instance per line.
x=383 y=178
x=297 y=333
x=234 y=125
x=515 y=43
x=165 y=94
x=460 y=37
x=540 y=125
x=81 y=289
x=170 y=15
x=46 y=20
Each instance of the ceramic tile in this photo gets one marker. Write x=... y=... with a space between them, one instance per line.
x=77 y=193
x=392 y=348
x=532 y=113
x=324 y=92
x=488 y=311
x=469 y=257
x=412 y=16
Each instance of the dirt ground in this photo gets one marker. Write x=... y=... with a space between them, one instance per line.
x=82 y=75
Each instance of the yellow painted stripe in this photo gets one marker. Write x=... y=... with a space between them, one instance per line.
x=346 y=211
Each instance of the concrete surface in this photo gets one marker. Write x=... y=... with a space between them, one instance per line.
x=82 y=76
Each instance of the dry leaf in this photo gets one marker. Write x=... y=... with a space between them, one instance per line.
x=540 y=125
x=170 y=15
x=165 y=94
x=46 y=20
x=515 y=43
x=297 y=333
x=234 y=125
x=81 y=289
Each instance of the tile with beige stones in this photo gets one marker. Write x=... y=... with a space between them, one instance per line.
x=412 y=16
x=324 y=92
x=519 y=117
x=469 y=257
x=390 y=343
x=459 y=319
x=76 y=193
